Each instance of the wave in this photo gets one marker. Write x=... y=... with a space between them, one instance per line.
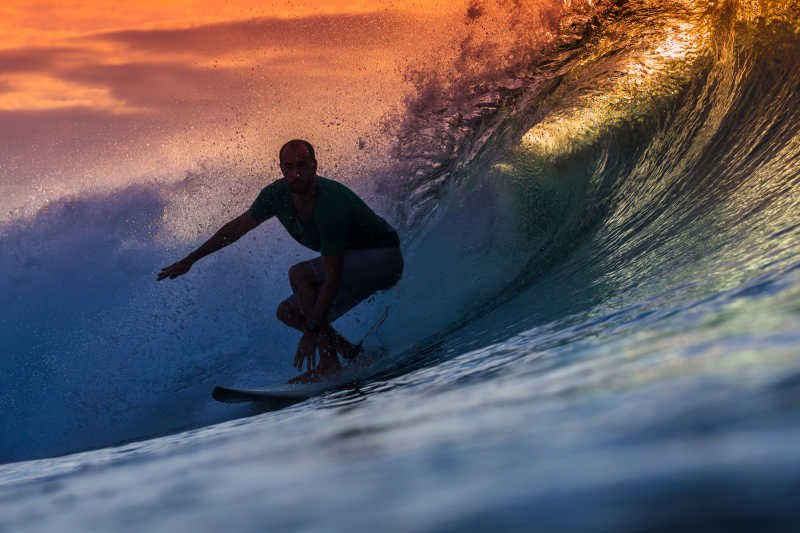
x=633 y=146
x=655 y=119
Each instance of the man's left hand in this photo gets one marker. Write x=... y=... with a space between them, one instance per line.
x=306 y=350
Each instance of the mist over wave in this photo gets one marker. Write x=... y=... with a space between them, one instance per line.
x=635 y=148
x=97 y=352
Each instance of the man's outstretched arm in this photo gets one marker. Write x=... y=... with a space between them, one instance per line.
x=227 y=234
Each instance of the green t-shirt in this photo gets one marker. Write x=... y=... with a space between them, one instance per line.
x=340 y=219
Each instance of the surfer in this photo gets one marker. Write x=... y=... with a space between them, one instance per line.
x=359 y=255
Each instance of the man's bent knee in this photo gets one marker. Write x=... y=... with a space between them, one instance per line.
x=285 y=311
x=302 y=274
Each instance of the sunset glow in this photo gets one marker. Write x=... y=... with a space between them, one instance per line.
x=72 y=54
x=101 y=94
x=36 y=23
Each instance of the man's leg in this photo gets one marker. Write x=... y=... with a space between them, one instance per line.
x=306 y=290
x=292 y=316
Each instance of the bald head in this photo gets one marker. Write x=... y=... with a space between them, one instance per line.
x=299 y=166
x=296 y=145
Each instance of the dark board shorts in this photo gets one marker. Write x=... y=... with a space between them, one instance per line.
x=364 y=273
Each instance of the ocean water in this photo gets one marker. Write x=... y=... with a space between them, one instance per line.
x=598 y=328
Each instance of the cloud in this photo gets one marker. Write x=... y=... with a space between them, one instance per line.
x=38 y=92
x=339 y=31
x=31 y=59
x=136 y=70
x=157 y=85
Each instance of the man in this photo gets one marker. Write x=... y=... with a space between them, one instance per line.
x=360 y=254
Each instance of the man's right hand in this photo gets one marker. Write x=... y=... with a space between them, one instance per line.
x=227 y=234
x=306 y=351
x=175 y=270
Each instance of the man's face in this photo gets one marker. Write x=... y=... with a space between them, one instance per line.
x=298 y=168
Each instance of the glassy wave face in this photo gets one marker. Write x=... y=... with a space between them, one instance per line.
x=601 y=227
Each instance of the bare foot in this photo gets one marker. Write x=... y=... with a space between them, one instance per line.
x=351 y=351
x=311 y=376
x=328 y=361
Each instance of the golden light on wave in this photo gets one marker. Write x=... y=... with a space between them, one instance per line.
x=627 y=93
x=786 y=11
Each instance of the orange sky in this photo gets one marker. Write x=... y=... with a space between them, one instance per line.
x=36 y=23
x=41 y=40
x=95 y=94
x=105 y=93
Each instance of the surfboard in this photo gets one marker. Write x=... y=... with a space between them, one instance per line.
x=273 y=392
x=357 y=370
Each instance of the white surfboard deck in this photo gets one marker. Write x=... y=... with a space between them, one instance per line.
x=280 y=392
x=360 y=368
